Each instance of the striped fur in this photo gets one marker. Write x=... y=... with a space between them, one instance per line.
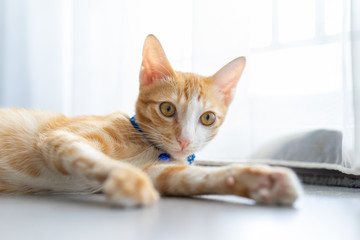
x=49 y=152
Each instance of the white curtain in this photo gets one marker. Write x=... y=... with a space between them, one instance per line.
x=300 y=85
x=355 y=63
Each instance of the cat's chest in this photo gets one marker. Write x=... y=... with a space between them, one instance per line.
x=124 y=143
x=143 y=158
x=135 y=151
x=142 y=154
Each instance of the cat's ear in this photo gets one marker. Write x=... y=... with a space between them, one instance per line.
x=155 y=65
x=228 y=76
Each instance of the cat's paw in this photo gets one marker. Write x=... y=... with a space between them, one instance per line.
x=266 y=185
x=129 y=188
x=274 y=185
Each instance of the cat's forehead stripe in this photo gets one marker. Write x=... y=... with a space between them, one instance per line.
x=191 y=88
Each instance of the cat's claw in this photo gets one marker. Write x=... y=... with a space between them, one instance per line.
x=129 y=189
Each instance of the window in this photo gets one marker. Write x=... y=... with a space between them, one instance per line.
x=293 y=102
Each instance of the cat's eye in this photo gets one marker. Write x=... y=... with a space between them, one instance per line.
x=208 y=118
x=167 y=109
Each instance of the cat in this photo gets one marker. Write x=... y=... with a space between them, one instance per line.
x=135 y=160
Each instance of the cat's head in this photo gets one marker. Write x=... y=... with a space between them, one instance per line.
x=181 y=112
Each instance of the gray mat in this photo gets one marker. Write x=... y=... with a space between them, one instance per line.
x=327 y=177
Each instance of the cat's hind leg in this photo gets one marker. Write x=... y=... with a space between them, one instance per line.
x=74 y=157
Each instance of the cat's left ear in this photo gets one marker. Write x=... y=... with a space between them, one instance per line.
x=228 y=76
x=155 y=65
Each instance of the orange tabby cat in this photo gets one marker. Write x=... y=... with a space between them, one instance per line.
x=176 y=115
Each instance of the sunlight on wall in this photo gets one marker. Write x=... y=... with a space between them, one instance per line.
x=296 y=20
x=314 y=69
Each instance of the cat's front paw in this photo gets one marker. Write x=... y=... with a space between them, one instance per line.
x=275 y=185
x=268 y=185
x=130 y=188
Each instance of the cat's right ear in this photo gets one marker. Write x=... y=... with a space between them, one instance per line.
x=155 y=65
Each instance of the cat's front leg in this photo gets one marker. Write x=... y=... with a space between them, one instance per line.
x=264 y=184
x=74 y=157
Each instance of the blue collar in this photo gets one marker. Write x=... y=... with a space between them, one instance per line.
x=163 y=156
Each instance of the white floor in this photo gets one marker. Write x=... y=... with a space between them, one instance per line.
x=322 y=213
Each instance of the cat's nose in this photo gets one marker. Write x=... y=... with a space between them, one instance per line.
x=183 y=142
